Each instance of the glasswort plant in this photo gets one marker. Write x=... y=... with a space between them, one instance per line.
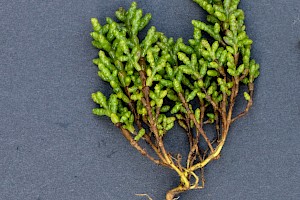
x=157 y=82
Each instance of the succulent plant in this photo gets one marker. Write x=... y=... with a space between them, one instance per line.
x=157 y=82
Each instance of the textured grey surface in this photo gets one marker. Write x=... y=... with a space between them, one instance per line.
x=53 y=148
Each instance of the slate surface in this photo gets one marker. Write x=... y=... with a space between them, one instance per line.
x=53 y=148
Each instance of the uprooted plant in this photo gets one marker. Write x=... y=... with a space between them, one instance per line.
x=157 y=82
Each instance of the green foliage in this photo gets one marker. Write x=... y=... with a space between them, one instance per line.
x=171 y=67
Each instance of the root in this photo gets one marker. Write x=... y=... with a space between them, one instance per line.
x=144 y=195
x=172 y=193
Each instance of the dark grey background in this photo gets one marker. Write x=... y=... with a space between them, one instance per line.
x=53 y=148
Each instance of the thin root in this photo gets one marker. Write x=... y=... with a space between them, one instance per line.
x=144 y=195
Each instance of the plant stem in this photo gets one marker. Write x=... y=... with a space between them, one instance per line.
x=133 y=143
x=192 y=117
x=249 y=104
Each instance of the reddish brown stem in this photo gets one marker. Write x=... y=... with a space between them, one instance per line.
x=139 y=124
x=154 y=147
x=235 y=90
x=215 y=106
x=246 y=72
x=132 y=109
x=217 y=125
x=236 y=59
x=188 y=132
x=249 y=104
x=133 y=143
x=146 y=103
x=192 y=117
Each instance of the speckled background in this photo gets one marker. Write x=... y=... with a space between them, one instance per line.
x=53 y=148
